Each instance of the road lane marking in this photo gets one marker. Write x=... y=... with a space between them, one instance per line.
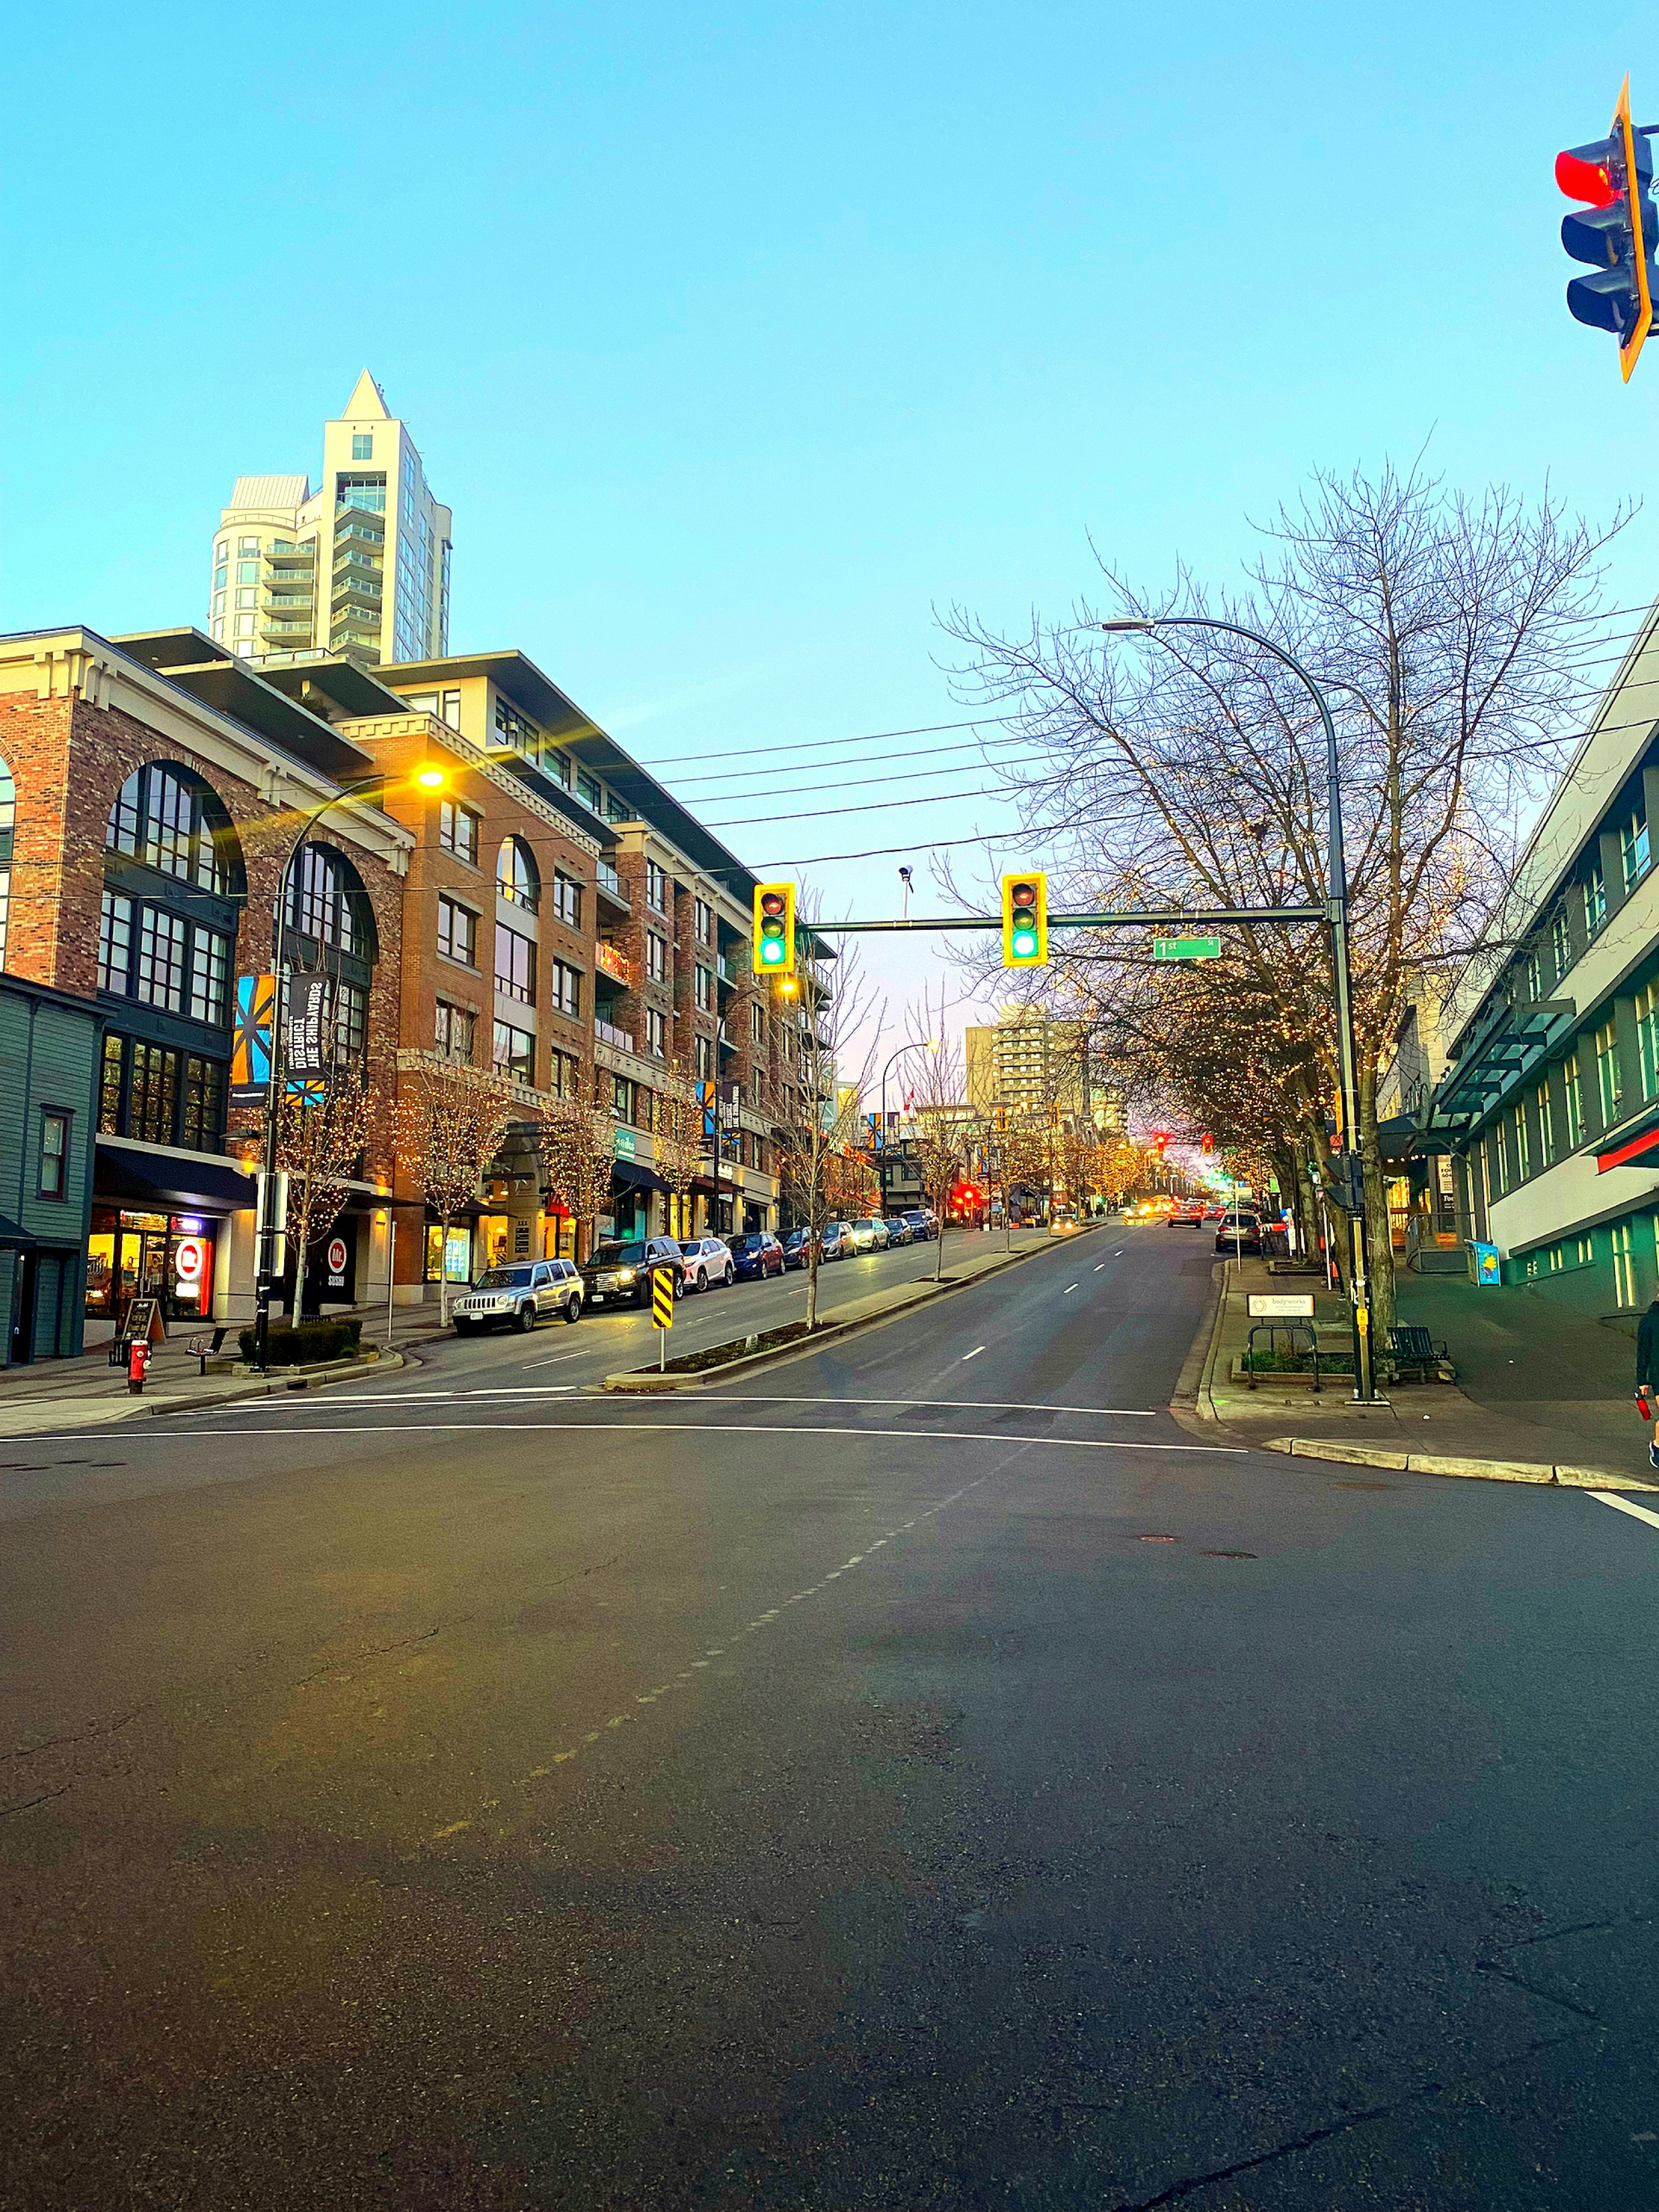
x=687 y=1429
x=1099 y=1264
x=1068 y=1290
x=954 y=1405
x=974 y=1354
x=557 y=1360
x=1624 y=1505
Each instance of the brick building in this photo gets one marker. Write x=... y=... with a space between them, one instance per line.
x=159 y=788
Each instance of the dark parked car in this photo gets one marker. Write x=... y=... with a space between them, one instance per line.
x=755 y=1256
x=794 y=1249
x=619 y=1273
x=923 y=1225
x=1239 y=1232
x=899 y=1231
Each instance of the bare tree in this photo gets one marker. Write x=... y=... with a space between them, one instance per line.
x=678 y=1138
x=578 y=1148
x=819 y=1127
x=1455 y=640
x=322 y=1133
x=450 y=1121
x=940 y=1107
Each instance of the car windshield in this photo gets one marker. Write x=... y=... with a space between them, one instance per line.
x=746 y=1244
x=692 y=1249
x=505 y=1279
x=863 y=1224
x=618 y=1255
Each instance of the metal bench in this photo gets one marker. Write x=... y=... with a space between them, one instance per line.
x=1411 y=1350
x=200 y=1350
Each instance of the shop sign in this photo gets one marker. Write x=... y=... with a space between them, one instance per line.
x=189 y=1262
x=338 y=1259
x=624 y=1140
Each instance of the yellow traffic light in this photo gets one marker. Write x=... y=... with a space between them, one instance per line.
x=772 y=951
x=1025 y=920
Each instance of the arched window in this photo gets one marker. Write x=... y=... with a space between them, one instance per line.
x=172 y=821
x=326 y=901
x=517 y=877
x=8 y=816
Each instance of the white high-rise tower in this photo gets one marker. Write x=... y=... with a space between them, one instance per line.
x=360 y=566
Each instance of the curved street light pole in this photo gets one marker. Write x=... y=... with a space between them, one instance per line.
x=1336 y=910
x=929 y=1044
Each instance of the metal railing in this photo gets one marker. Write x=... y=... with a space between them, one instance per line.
x=607 y=1033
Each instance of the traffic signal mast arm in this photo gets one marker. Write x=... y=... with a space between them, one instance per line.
x=1117 y=918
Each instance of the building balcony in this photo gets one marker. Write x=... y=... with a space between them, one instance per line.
x=617 y=965
x=608 y=885
x=608 y=1033
x=726 y=969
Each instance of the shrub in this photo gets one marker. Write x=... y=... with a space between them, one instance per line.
x=309 y=1344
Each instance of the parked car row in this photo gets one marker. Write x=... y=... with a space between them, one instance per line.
x=618 y=1272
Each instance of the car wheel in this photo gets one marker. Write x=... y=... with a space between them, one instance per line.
x=524 y=1320
x=679 y=1286
x=730 y=1275
x=573 y=1310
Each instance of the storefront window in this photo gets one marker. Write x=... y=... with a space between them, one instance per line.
x=168 y=1257
x=457 y=1263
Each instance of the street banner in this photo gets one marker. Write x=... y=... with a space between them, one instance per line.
x=250 y=1048
x=706 y=1099
x=303 y=1060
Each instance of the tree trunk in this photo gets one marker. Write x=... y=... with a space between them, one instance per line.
x=938 y=1255
x=812 y=1276
x=443 y=1273
x=1379 y=1243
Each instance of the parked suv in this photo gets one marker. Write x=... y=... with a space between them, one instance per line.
x=1238 y=1232
x=517 y=1297
x=899 y=1231
x=922 y=1224
x=708 y=1260
x=619 y=1273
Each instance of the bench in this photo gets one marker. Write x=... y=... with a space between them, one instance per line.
x=200 y=1350
x=1411 y=1350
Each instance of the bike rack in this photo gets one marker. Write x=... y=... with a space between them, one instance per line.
x=1294 y=1329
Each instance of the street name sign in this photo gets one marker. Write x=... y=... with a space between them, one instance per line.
x=1281 y=1305
x=1186 y=948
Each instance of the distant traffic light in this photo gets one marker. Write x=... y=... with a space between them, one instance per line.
x=1025 y=920
x=1614 y=232
x=1206 y=1143
x=773 y=950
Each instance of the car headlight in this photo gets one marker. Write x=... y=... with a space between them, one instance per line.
x=626 y=1275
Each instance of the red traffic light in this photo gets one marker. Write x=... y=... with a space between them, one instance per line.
x=1585 y=172
x=1023 y=895
x=771 y=904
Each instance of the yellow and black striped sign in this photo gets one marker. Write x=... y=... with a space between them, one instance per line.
x=662 y=1298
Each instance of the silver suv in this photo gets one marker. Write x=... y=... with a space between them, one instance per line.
x=519 y=1296
x=708 y=1260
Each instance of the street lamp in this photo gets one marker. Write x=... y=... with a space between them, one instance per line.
x=1336 y=912
x=428 y=779
x=928 y=1045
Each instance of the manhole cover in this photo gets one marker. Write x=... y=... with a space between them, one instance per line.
x=1226 y=1555
x=1157 y=1540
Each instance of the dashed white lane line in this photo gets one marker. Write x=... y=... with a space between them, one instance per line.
x=1624 y=1505
x=1068 y=1290
x=974 y=1354
x=557 y=1360
x=1099 y=1264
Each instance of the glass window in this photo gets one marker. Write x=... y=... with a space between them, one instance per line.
x=169 y=824
x=1522 y=1145
x=454 y=1032
x=458 y=932
x=1633 y=848
x=517 y=877
x=203 y=1121
x=320 y=900
x=1595 y=903
x=704 y=1059
x=248 y=546
x=1574 y=1101
x=115 y=944
x=558 y=765
x=210 y=978
x=222 y=551
x=220 y=578
x=248 y=572
x=246 y=599
x=218 y=603
x=656 y=957
x=161 y=942
x=565 y=1075
x=515 y=731
x=458 y=831
x=515 y=964
x=656 y=1033
x=515 y=1053
x=153 y=1098
x=566 y=988
x=703 y=921
x=54 y=1153
x=365 y=492
x=656 y=887
x=109 y=1089
x=1546 y=1125
x=705 y=988
x=588 y=792
x=567 y=900
x=362 y=445
x=1624 y=1265
x=349 y=1012
x=1609 y=1085
x=1647 y=1033
x=757 y=1021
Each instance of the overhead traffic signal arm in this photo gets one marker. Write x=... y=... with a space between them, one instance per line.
x=772 y=951
x=1025 y=918
x=1614 y=231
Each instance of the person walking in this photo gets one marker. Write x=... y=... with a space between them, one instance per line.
x=1647 y=1372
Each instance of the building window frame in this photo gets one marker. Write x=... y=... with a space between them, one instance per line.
x=56 y=1127
x=458 y=830
x=458 y=925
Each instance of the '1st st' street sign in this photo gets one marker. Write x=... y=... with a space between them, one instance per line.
x=1186 y=948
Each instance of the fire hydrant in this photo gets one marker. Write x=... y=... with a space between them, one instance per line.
x=137 y=1367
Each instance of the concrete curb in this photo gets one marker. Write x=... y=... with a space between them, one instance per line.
x=1480 y=1470
x=906 y=1299
x=1192 y=1390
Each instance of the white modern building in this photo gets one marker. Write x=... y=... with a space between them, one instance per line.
x=359 y=566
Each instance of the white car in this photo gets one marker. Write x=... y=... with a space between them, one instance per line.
x=706 y=1260
x=519 y=1295
x=869 y=1236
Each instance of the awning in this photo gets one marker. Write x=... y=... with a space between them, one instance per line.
x=1513 y=1039
x=13 y=1238
x=629 y=1175
x=161 y=1182
x=1633 y=1147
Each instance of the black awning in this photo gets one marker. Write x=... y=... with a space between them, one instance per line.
x=629 y=1175
x=161 y=1182
x=13 y=1238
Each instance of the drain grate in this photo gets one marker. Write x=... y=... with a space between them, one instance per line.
x=1226 y=1555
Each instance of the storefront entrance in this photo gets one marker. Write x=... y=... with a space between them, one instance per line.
x=164 y=1256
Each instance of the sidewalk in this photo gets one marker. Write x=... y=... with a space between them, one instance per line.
x=1536 y=1390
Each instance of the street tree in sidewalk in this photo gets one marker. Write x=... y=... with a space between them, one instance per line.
x=450 y=1121
x=679 y=1141
x=1459 y=643
x=323 y=1132
x=819 y=1127
x=939 y=1110
x=577 y=1141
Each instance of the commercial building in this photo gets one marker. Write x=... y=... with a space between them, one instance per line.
x=1030 y=1066
x=49 y=1058
x=359 y=566
x=1547 y=1106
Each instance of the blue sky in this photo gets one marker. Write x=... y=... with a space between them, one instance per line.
x=738 y=338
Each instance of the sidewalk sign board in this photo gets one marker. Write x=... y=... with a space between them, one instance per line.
x=1281 y=1305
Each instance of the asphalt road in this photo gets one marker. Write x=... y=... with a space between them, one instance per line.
x=923 y=1775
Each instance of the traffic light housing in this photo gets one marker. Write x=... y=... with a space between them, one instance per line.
x=772 y=951
x=1025 y=920
x=1615 y=231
